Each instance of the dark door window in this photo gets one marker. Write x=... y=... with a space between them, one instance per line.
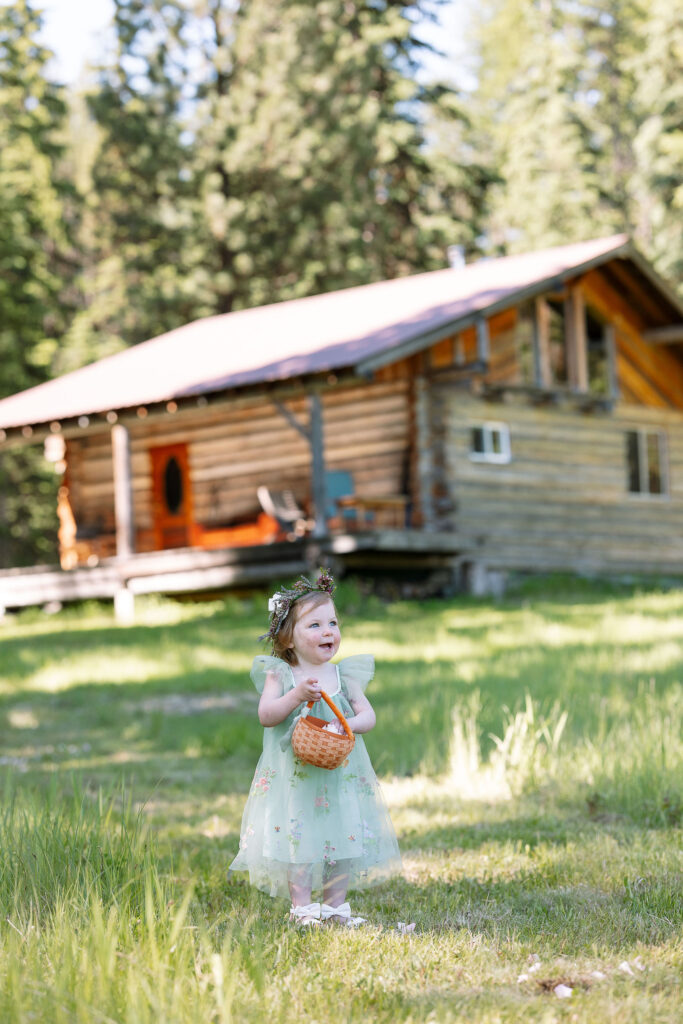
x=173 y=486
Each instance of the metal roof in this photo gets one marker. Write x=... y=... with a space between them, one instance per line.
x=357 y=328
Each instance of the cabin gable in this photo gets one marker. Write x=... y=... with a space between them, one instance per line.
x=565 y=449
x=582 y=339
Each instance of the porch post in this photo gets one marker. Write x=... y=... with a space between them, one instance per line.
x=612 y=368
x=425 y=462
x=578 y=302
x=317 y=441
x=483 y=340
x=542 y=375
x=576 y=342
x=123 y=491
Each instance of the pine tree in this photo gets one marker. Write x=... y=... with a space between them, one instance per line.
x=291 y=137
x=136 y=243
x=312 y=154
x=35 y=207
x=607 y=38
x=549 y=191
x=658 y=146
x=557 y=90
x=582 y=102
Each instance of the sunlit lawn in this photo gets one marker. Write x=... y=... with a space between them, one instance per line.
x=530 y=750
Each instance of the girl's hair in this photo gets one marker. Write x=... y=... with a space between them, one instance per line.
x=283 y=639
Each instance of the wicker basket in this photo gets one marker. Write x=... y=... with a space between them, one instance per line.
x=315 y=746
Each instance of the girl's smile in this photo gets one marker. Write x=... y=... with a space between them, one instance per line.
x=316 y=636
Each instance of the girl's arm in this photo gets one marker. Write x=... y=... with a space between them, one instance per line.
x=364 y=716
x=273 y=708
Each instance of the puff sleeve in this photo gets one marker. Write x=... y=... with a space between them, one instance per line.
x=356 y=672
x=263 y=664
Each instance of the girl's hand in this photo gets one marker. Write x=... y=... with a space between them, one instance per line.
x=309 y=689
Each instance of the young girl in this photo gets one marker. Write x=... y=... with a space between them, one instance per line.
x=306 y=828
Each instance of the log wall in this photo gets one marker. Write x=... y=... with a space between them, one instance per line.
x=235 y=448
x=562 y=501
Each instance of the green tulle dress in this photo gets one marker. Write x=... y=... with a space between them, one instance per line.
x=298 y=815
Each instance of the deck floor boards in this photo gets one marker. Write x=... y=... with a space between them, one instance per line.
x=187 y=570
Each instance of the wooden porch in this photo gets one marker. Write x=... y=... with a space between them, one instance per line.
x=192 y=570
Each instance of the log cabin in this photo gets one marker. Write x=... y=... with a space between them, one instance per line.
x=515 y=414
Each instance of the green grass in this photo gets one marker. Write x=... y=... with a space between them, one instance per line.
x=530 y=750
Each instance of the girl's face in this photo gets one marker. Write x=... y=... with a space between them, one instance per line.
x=316 y=636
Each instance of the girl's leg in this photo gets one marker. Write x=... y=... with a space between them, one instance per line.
x=335 y=885
x=299 y=877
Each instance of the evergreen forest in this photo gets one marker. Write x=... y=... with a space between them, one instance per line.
x=228 y=154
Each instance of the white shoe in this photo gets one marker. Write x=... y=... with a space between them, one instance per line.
x=305 y=917
x=341 y=915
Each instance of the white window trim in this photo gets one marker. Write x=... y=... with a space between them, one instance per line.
x=645 y=494
x=489 y=455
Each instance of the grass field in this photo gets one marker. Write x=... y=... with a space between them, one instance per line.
x=531 y=752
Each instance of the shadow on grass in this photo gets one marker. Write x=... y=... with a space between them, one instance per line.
x=210 y=713
x=547 y=908
x=414 y=722
x=414 y=695
x=571 y=919
x=44 y=643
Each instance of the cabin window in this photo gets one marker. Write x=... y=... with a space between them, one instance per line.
x=559 y=338
x=490 y=442
x=646 y=462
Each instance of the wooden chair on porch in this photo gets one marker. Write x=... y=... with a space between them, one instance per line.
x=283 y=506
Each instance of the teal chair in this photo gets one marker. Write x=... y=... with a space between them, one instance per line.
x=338 y=484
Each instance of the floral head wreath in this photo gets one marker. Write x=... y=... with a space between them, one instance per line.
x=281 y=603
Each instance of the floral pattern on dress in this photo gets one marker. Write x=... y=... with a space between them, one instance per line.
x=263 y=779
x=322 y=802
x=365 y=786
x=299 y=772
x=370 y=840
x=244 y=839
x=295 y=832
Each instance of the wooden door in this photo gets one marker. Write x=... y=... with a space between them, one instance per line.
x=171 y=497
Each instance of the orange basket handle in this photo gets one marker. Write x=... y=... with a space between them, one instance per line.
x=333 y=707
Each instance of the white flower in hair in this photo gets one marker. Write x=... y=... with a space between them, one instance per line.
x=280 y=604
